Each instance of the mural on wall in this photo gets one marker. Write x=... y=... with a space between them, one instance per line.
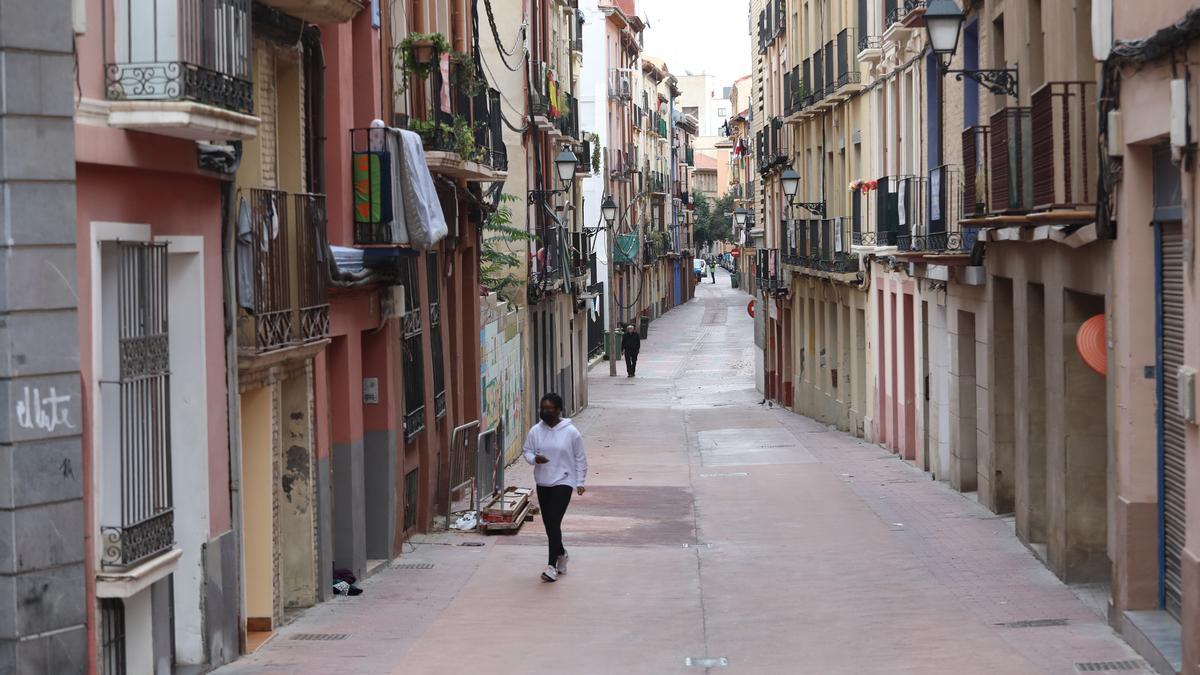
x=502 y=373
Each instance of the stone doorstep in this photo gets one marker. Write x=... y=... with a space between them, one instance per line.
x=1156 y=636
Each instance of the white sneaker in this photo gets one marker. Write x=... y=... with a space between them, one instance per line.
x=561 y=565
x=550 y=573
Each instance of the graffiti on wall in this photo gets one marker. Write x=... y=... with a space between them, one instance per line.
x=502 y=373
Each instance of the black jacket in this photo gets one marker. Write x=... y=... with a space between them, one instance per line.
x=631 y=342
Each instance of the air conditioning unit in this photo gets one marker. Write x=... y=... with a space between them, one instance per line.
x=391 y=303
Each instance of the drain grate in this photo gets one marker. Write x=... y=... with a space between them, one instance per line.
x=320 y=636
x=696 y=545
x=738 y=474
x=706 y=662
x=1111 y=666
x=1036 y=623
x=412 y=566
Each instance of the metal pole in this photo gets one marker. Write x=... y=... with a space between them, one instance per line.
x=610 y=235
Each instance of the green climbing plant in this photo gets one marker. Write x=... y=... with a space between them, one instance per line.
x=496 y=258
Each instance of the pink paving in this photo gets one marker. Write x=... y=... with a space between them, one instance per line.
x=715 y=527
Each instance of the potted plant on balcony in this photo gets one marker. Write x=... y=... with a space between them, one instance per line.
x=468 y=74
x=419 y=54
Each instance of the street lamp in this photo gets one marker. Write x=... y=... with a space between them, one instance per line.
x=943 y=21
x=566 y=163
x=791 y=182
x=739 y=217
x=608 y=208
x=791 y=185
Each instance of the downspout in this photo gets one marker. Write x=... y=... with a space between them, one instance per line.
x=229 y=202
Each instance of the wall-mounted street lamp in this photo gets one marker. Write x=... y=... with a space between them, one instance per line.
x=943 y=22
x=791 y=185
x=565 y=163
x=739 y=217
x=608 y=208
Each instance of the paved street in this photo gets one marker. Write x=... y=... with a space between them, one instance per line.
x=715 y=528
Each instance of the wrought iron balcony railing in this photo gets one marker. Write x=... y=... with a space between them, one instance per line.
x=181 y=50
x=288 y=301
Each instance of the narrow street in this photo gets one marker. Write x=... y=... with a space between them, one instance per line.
x=715 y=527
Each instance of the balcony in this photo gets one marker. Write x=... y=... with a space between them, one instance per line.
x=620 y=85
x=319 y=11
x=567 y=120
x=286 y=303
x=902 y=18
x=1064 y=136
x=656 y=183
x=912 y=207
x=870 y=48
x=465 y=142
x=848 y=79
x=619 y=166
x=976 y=149
x=1010 y=147
x=181 y=68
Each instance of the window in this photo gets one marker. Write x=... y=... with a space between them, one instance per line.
x=722 y=113
x=412 y=486
x=435 y=334
x=112 y=636
x=413 y=357
x=137 y=518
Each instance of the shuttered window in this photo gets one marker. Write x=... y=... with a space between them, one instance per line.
x=1172 y=427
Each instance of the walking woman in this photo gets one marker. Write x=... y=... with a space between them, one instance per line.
x=555 y=449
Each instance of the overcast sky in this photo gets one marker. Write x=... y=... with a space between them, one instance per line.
x=701 y=36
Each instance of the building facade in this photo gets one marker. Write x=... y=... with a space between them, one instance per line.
x=262 y=342
x=958 y=248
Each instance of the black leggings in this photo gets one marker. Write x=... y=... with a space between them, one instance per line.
x=553 y=502
x=631 y=362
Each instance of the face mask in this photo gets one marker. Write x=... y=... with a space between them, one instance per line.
x=548 y=416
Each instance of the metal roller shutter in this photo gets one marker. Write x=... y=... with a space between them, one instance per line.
x=1172 y=427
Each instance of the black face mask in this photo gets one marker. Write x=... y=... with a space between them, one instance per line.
x=549 y=417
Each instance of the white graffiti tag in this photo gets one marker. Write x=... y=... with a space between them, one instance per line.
x=47 y=414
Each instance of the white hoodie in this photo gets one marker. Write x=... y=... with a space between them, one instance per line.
x=562 y=444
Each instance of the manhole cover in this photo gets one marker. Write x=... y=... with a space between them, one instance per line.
x=1036 y=623
x=413 y=566
x=1110 y=666
x=320 y=636
x=706 y=662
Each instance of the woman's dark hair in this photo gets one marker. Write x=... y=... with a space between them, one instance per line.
x=554 y=399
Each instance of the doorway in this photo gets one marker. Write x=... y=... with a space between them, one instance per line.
x=258 y=544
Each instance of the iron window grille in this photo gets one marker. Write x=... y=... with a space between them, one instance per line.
x=413 y=357
x=146 y=526
x=180 y=50
x=433 y=277
x=112 y=636
x=412 y=486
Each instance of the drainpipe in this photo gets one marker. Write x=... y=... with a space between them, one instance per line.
x=229 y=201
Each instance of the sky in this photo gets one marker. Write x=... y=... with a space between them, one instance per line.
x=700 y=36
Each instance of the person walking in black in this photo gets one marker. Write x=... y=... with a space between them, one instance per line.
x=631 y=344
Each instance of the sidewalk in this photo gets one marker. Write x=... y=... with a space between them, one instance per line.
x=715 y=528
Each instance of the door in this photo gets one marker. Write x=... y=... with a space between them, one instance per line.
x=1172 y=427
